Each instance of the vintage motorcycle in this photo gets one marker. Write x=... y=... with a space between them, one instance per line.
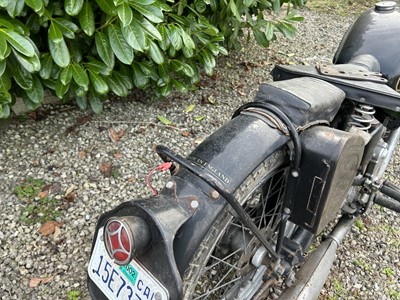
x=237 y=216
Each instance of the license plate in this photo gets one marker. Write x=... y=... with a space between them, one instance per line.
x=129 y=282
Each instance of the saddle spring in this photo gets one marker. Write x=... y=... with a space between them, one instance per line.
x=362 y=117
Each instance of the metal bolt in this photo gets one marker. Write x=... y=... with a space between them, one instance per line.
x=169 y=185
x=397 y=108
x=295 y=173
x=286 y=210
x=194 y=204
x=362 y=99
x=157 y=296
x=214 y=194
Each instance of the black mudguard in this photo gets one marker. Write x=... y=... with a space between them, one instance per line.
x=177 y=227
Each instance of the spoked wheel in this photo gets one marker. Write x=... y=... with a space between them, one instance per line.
x=228 y=264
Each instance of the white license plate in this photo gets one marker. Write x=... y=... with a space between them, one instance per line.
x=130 y=282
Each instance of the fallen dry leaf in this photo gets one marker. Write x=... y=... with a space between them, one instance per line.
x=57 y=232
x=106 y=168
x=185 y=133
x=82 y=155
x=34 y=282
x=132 y=179
x=241 y=93
x=48 y=228
x=70 y=189
x=70 y=197
x=115 y=136
x=118 y=155
x=43 y=194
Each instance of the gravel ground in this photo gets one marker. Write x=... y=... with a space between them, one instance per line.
x=71 y=152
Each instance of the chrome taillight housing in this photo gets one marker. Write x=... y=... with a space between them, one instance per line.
x=125 y=237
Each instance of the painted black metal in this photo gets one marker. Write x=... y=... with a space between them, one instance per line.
x=377 y=33
x=163 y=216
x=387 y=202
x=329 y=165
x=229 y=197
x=284 y=118
x=391 y=190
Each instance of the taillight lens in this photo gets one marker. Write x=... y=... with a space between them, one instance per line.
x=125 y=236
x=119 y=241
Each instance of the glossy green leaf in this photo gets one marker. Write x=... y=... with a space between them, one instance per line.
x=3 y=66
x=23 y=78
x=67 y=27
x=15 y=7
x=260 y=37
x=4 y=111
x=107 y=6
x=175 y=37
x=5 y=98
x=18 y=42
x=134 y=35
x=31 y=64
x=117 y=86
x=153 y=13
x=139 y=78
x=276 y=6
x=3 y=3
x=155 y=53
x=98 y=67
x=104 y=49
x=36 y=93
x=73 y=7
x=234 y=10
x=6 y=23
x=61 y=89
x=80 y=75
x=187 y=40
x=86 y=18
x=66 y=75
x=164 y=42
x=100 y=86
x=269 y=31
x=36 y=5
x=125 y=13
x=46 y=66
x=122 y=50
x=190 y=108
x=150 y=29
x=143 y=2
x=248 y=3
x=96 y=104
x=3 y=46
x=163 y=70
x=5 y=82
x=164 y=120
x=81 y=102
x=60 y=53
x=179 y=86
x=55 y=33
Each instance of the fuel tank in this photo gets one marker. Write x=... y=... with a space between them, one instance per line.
x=376 y=32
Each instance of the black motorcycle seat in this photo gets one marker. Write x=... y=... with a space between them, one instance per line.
x=366 y=92
x=304 y=100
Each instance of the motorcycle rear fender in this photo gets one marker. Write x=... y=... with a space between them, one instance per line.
x=182 y=215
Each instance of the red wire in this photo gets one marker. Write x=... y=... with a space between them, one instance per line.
x=162 y=168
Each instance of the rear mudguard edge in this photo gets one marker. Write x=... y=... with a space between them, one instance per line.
x=228 y=156
x=177 y=226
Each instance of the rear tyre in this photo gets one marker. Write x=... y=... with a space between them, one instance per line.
x=222 y=264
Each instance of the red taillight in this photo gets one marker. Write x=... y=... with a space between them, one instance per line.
x=124 y=237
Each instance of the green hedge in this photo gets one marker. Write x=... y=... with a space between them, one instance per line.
x=87 y=49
